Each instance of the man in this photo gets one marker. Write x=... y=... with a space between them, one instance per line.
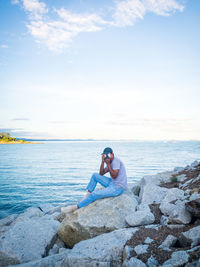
x=112 y=187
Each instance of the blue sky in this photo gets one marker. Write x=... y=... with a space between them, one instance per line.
x=125 y=69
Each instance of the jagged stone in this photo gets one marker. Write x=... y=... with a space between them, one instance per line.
x=178 y=258
x=194 y=207
x=190 y=237
x=134 y=262
x=168 y=242
x=141 y=249
x=102 y=216
x=140 y=218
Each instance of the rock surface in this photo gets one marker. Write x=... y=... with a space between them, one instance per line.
x=102 y=216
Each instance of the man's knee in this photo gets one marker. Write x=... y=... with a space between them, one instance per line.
x=94 y=175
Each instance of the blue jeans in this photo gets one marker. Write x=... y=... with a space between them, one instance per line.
x=110 y=190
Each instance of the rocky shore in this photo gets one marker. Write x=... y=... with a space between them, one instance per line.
x=155 y=222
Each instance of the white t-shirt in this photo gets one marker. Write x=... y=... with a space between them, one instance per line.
x=121 y=180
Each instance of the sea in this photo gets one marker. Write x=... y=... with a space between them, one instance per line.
x=57 y=172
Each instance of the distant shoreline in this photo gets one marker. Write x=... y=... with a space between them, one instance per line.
x=19 y=142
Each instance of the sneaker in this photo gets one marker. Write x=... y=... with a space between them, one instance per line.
x=68 y=209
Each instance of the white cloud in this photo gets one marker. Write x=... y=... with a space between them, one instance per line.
x=4 y=46
x=35 y=8
x=128 y=11
x=57 y=33
x=15 y=2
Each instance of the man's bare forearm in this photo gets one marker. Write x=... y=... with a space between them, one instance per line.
x=101 y=171
x=113 y=173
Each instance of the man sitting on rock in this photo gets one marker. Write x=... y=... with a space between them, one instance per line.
x=112 y=187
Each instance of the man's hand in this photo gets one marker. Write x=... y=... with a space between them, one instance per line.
x=103 y=157
x=107 y=161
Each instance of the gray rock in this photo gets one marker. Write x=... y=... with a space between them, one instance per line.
x=134 y=188
x=173 y=194
x=127 y=252
x=178 y=169
x=50 y=261
x=152 y=193
x=141 y=249
x=105 y=215
x=148 y=240
x=181 y=177
x=133 y=262
x=194 y=164
x=46 y=207
x=178 y=258
x=8 y=220
x=29 y=213
x=6 y=260
x=185 y=184
x=168 y=242
x=105 y=249
x=152 y=262
x=143 y=207
x=190 y=237
x=28 y=240
x=164 y=220
x=140 y=218
x=177 y=212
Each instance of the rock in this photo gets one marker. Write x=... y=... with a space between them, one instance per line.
x=50 y=261
x=8 y=220
x=46 y=207
x=6 y=260
x=178 y=169
x=193 y=207
x=185 y=184
x=173 y=194
x=178 y=258
x=151 y=193
x=168 y=242
x=133 y=262
x=29 y=213
x=134 y=188
x=148 y=240
x=102 y=216
x=143 y=207
x=177 y=212
x=164 y=220
x=28 y=240
x=194 y=164
x=152 y=262
x=105 y=249
x=140 y=218
x=127 y=252
x=181 y=178
x=194 y=197
x=190 y=237
x=141 y=249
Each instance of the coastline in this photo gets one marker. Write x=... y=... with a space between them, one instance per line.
x=156 y=222
x=19 y=142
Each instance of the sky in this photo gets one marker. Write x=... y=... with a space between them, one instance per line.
x=109 y=69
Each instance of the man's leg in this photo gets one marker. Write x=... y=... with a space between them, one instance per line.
x=110 y=191
x=97 y=178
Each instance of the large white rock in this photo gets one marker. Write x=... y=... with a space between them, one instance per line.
x=103 y=250
x=191 y=237
x=102 y=216
x=178 y=258
x=173 y=194
x=177 y=212
x=140 y=218
x=133 y=262
x=27 y=240
x=152 y=193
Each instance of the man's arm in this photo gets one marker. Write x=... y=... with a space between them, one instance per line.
x=113 y=173
x=103 y=170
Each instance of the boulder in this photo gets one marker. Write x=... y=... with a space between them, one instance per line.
x=178 y=258
x=190 y=237
x=50 y=261
x=103 y=250
x=177 y=212
x=102 y=216
x=141 y=249
x=173 y=194
x=6 y=260
x=152 y=262
x=168 y=242
x=134 y=188
x=151 y=193
x=140 y=218
x=28 y=240
x=133 y=262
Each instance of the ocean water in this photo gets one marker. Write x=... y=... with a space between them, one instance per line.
x=58 y=172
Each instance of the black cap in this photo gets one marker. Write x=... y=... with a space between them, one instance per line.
x=107 y=150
